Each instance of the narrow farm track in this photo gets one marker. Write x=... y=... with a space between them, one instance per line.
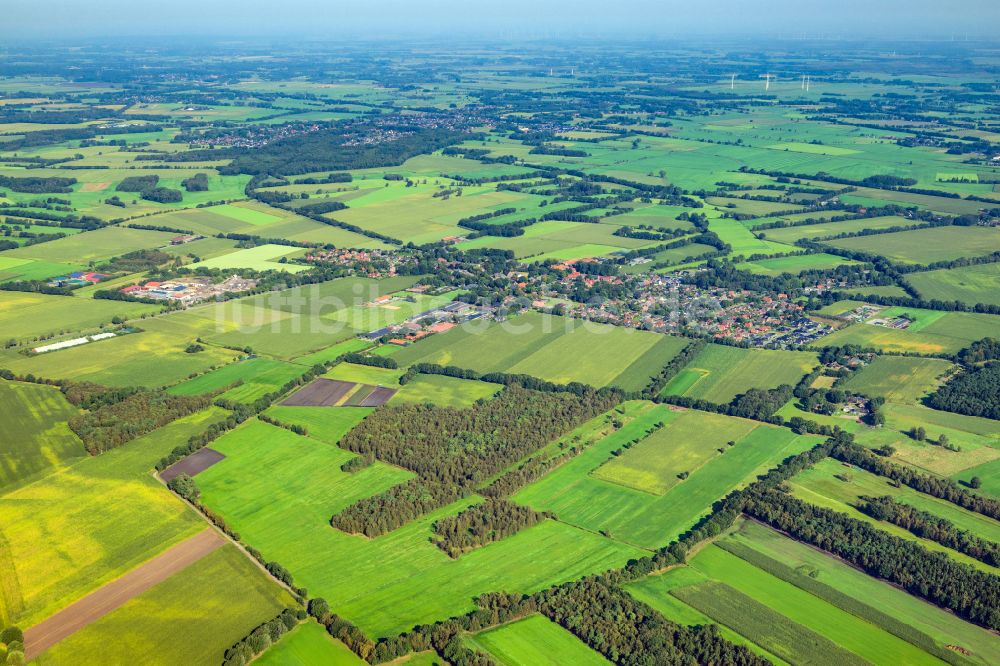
x=99 y=603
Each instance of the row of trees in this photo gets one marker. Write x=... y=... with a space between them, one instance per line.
x=454 y=450
x=929 y=526
x=116 y=423
x=939 y=487
x=970 y=593
x=484 y=523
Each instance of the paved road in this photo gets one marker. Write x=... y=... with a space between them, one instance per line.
x=99 y=603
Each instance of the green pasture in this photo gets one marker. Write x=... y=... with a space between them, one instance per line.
x=967 y=284
x=259 y=376
x=34 y=431
x=720 y=373
x=796 y=264
x=445 y=391
x=691 y=440
x=899 y=378
x=933 y=332
x=579 y=497
x=27 y=316
x=167 y=623
x=84 y=524
x=92 y=246
x=925 y=246
x=791 y=234
x=309 y=644
x=381 y=584
x=535 y=641
x=557 y=349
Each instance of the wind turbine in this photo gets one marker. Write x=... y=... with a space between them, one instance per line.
x=732 y=82
x=767 y=81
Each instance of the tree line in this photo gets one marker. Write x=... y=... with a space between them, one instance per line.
x=454 y=450
x=492 y=520
x=929 y=526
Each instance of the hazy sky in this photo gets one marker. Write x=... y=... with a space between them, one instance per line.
x=507 y=18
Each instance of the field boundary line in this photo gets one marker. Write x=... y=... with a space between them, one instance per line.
x=113 y=595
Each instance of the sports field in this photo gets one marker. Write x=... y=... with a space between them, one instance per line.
x=167 y=624
x=557 y=349
x=34 y=431
x=535 y=641
x=720 y=373
x=380 y=583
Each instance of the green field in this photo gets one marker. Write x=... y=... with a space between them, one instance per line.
x=868 y=598
x=934 y=332
x=820 y=485
x=259 y=376
x=260 y=258
x=381 y=584
x=795 y=264
x=535 y=641
x=69 y=532
x=782 y=618
x=579 y=497
x=309 y=644
x=968 y=284
x=167 y=623
x=791 y=234
x=720 y=373
x=899 y=378
x=445 y=391
x=34 y=431
x=26 y=316
x=924 y=246
x=690 y=441
x=558 y=349
x=92 y=245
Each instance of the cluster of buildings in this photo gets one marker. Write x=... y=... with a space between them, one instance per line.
x=436 y=320
x=255 y=136
x=367 y=263
x=189 y=290
x=78 y=279
x=668 y=304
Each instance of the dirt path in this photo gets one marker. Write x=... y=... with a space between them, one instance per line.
x=99 y=603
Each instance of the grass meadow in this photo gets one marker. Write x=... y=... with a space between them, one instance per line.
x=382 y=584
x=69 y=532
x=720 y=373
x=535 y=641
x=925 y=246
x=968 y=284
x=557 y=349
x=34 y=431
x=168 y=624
x=580 y=497
x=899 y=378
x=309 y=644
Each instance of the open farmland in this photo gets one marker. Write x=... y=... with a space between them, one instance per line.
x=63 y=537
x=298 y=534
x=925 y=246
x=700 y=276
x=34 y=431
x=719 y=373
x=536 y=640
x=170 y=627
x=967 y=284
x=557 y=349
x=582 y=497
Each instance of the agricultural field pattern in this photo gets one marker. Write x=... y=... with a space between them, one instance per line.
x=480 y=352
